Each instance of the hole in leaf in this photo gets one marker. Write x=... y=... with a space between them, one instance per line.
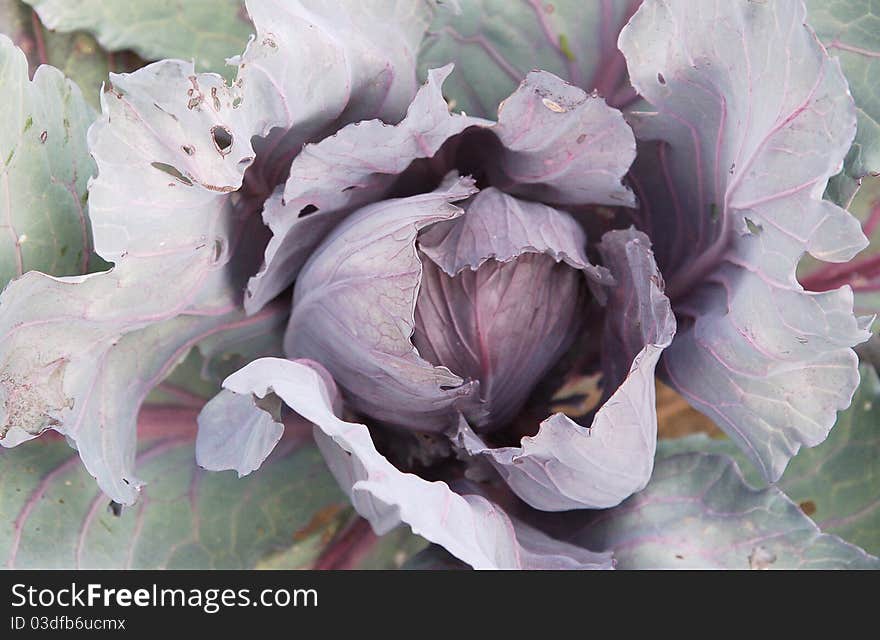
x=754 y=228
x=306 y=210
x=172 y=171
x=188 y=149
x=115 y=508
x=219 y=246
x=349 y=188
x=661 y=79
x=222 y=138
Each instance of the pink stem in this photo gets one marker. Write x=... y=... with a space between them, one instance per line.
x=38 y=38
x=836 y=275
x=831 y=276
x=158 y=421
x=871 y=224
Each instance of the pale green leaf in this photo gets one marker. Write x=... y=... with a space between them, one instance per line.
x=850 y=30
x=836 y=483
x=77 y=55
x=698 y=512
x=495 y=43
x=53 y=515
x=204 y=31
x=44 y=170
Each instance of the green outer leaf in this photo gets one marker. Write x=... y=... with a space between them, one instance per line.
x=841 y=189
x=82 y=60
x=197 y=377
x=206 y=31
x=44 y=170
x=284 y=517
x=53 y=516
x=850 y=30
x=698 y=512
x=495 y=43
x=838 y=482
x=77 y=55
x=185 y=385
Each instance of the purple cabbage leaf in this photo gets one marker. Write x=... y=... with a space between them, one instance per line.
x=567 y=466
x=378 y=289
x=173 y=146
x=469 y=525
x=731 y=169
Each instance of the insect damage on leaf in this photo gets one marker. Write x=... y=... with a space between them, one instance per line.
x=32 y=405
x=761 y=558
x=172 y=171
x=222 y=137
